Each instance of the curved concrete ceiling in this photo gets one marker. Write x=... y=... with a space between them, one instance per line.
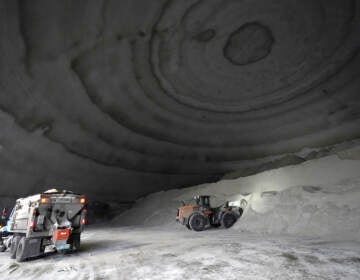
x=127 y=97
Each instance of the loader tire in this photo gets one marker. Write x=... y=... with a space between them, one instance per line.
x=13 y=246
x=228 y=219
x=197 y=222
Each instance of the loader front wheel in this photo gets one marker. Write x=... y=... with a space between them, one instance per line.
x=228 y=219
x=197 y=222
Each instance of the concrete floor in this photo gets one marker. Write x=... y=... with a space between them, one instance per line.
x=176 y=253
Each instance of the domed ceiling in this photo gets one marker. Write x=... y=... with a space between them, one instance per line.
x=122 y=98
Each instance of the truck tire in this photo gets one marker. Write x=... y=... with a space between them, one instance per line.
x=21 y=251
x=13 y=246
x=74 y=241
x=2 y=245
x=228 y=219
x=197 y=222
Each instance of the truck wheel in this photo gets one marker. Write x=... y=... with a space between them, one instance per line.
x=2 y=248
x=13 y=246
x=228 y=219
x=74 y=241
x=21 y=251
x=188 y=226
x=197 y=222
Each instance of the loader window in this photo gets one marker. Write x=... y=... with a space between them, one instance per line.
x=204 y=201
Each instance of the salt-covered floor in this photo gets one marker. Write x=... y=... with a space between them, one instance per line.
x=176 y=253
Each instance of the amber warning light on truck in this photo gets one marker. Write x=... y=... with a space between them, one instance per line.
x=45 y=200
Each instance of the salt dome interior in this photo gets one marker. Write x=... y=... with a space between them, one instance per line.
x=119 y=99
x=141 y=105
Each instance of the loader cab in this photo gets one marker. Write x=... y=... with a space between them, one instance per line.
x=203 y=201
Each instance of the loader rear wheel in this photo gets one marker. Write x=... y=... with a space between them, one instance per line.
x=197 y=222
x=21 y=250
x=13 y=246
x=228 y=219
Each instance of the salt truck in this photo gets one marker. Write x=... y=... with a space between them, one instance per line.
x=51 y=221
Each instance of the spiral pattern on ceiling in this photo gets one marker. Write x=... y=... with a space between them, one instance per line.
x=182 y=87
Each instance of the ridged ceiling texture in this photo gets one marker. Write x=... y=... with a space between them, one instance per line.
x=127 y=97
